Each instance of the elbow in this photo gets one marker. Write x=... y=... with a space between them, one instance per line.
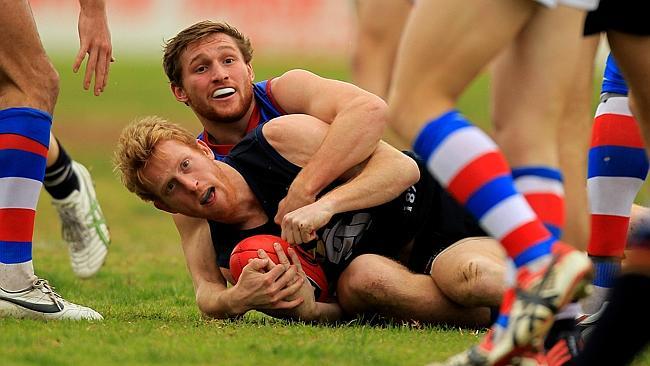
x=411 y=172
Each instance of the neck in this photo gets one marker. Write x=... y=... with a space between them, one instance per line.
x=227 y=133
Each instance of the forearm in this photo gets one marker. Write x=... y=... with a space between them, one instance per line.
x=352 y=137
x=384 y=177
x=220 y=303
x=91 y=6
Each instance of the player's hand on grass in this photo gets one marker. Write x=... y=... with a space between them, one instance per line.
x=94 y=41
x=296 y=198
x=266 y=285
x=299 y=226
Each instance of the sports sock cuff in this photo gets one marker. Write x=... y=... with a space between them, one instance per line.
x=436 y=130
x=606 y=271
x=27 y=122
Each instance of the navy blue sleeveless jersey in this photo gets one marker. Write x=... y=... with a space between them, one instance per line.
x=265 y=109
x=424 y=215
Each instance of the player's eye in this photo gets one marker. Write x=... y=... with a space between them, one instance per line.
x=229 y=60
x=185 y=164
x=169 y=187
x=201 y=69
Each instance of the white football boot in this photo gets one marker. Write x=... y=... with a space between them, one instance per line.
x=83 y=226
x=41 y=302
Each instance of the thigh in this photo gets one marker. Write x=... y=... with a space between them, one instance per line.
x=379 y=29
x=531 y=83
x=22 y=57
x=631 y=53
x=446 y=43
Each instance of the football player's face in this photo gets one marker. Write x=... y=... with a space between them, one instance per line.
x=186 y=179
x=217 y=82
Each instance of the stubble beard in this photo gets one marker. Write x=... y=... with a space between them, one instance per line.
x=208 y=112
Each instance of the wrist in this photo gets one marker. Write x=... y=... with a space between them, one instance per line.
x=235 y=304
x=304 y=187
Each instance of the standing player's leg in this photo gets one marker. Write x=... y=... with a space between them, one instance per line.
x=29 y=88
x=439 y=56
x=617 y=169
x=626 y=303
x=379 y=29
x=527 y=119
x=82 y=220
x=573 y=144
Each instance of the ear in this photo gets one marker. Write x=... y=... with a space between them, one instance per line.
x=251 y=72
x=179 y=93
x=162 y=206
x=205 y=148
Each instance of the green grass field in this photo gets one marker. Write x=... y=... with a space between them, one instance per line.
x=144 y=291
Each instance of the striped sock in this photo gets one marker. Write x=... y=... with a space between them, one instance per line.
x=24 y=141
x=470 y=166
x=617 y=169
x=542 y=187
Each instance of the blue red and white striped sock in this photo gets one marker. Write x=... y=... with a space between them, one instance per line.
x=542 y=187
x=24 y=142
x=471 y=167
x=617 y=168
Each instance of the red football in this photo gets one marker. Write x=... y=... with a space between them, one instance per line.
x=247 y=249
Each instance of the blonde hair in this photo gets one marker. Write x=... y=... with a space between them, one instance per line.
x=136 y=146
x=174 y=47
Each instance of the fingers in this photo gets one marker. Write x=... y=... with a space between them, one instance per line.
x=91 y=64
x=295 y=260
x=292 y=289
x=282 y=257
x=283 y=305
x=80 y=57
x=264 y=255
x=101 y=73
x=257 y=264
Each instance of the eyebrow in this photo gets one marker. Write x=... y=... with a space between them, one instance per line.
x=202 y=54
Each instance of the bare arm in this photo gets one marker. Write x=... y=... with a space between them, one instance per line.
x=95 y=41
x=381 y=178
x=357 y=119
x=259 y=286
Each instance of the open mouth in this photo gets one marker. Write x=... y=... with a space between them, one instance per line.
x=208 y=196
x=223 y=93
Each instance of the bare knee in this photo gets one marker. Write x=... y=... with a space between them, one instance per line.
x=476 y=282
x=35 y=85
x=362 y=282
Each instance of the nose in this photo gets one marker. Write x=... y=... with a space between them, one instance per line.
x=188 y=182
x=219 y=73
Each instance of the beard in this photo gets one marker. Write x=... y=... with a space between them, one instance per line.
x=215 y=115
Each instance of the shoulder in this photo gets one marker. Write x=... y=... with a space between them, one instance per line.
x=292 y=78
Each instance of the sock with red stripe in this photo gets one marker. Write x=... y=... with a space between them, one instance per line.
x=470 y=166
x=542 y=187
x=617 y=169
x=24 y=141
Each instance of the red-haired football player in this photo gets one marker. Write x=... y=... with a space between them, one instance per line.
x=379 y=226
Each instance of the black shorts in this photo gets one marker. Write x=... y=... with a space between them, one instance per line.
x=446 y=222
x=626 y=16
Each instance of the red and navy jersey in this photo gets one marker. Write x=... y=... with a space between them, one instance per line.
x=265 y=110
